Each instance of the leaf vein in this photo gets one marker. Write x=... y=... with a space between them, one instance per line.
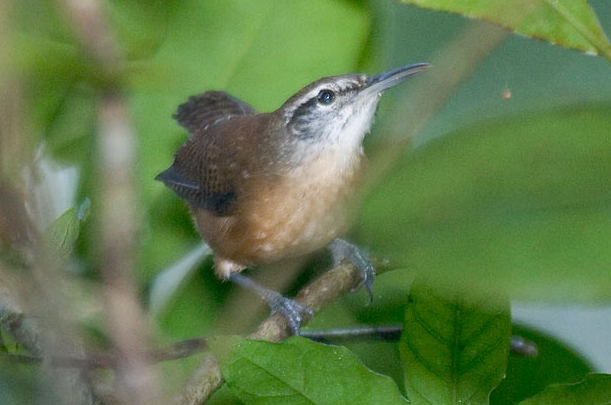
x=483 y=328
x=424 y=361
x=457 y=326
x=429 y=329
x=602 y=46
x=297 y=391
x=482 y=354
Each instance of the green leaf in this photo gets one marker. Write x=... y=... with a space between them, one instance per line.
x=62 y=234
x=594 y=390
x=224 y=396
x=454 y=346
x=521 y=203
x=571 y=23
x=299 y=371
x=526 y=376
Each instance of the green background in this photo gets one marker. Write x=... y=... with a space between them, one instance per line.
x=495 y=191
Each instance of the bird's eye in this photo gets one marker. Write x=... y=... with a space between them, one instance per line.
x=325 y=97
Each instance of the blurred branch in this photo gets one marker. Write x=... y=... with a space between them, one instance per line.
x=185 y=348
x=44 y=336
x=175 y=351
x=126 y=320
x=91 y=26
x=207 y=378
x=23 y=329
x=450 y=65
x=29 y=282
x=118 y=214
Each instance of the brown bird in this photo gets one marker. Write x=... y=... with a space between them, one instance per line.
x=263 y=187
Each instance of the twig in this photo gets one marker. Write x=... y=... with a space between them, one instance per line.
x=185 y=348
x=518 y=345
x=523 y=347
x=175 y=351
x=389 y=333
x=202 y=384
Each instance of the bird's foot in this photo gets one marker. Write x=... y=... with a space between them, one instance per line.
x=291 y=309
x=341 y=249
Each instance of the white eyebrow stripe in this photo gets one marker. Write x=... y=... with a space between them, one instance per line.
x=336 y=85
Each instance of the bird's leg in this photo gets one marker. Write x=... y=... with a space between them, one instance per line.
x=341 y=249
x=291 y=310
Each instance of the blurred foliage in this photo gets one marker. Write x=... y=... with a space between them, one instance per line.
x=522 y=203
x=555 y=363
x=509 y=185
x=18 y=384
x=594 y=389
x=571 y=23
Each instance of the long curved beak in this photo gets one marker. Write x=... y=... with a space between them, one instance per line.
x=392 y=77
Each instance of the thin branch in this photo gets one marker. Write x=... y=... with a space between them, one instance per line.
x=91 y=25
x=175 y=351
x=202 y=384
x=323 y=291
x=389 y=333
x=524 y=347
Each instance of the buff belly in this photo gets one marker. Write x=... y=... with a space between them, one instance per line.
x=293 y=216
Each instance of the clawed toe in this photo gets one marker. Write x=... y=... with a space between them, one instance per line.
x=291 y=309
x=368 y=274
x=341 y=249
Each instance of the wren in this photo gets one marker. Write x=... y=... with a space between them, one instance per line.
x=264 y=187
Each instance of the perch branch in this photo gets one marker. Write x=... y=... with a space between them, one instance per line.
x=320 y=293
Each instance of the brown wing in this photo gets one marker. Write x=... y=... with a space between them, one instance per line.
x=208 y=109
x=202 y=172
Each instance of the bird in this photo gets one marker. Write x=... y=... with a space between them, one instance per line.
x=266 y=187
